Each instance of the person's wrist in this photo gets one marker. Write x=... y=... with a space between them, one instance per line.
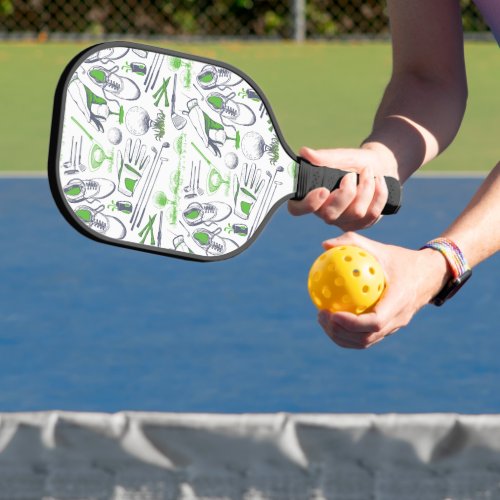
x=436 y=272
x=387 y=160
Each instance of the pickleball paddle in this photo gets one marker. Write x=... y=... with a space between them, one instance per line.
x=172 y=153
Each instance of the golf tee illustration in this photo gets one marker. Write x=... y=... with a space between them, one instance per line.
x=172 y=153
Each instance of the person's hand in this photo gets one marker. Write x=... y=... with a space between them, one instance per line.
x=350 y=207
x=413 y=278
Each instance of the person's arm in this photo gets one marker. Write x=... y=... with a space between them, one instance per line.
x=419 y=115
x=414 y=277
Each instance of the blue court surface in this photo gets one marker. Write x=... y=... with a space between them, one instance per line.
x=91 y=327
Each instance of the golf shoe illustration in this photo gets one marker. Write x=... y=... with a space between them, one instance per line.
x=231 y=110
x=207 y=213
x=212 y=243
x=89 y=190
x=111 y=82
x=104 y=224
x=211 y=77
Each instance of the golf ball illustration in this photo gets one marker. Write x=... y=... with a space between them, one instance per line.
x=114 y=135
x=346 y=278
x=137 y=121
x=231 y=160
x=253 y=145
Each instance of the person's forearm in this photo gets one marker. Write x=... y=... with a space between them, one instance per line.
x=416 y=120
x=424 y=103
x=477 y=230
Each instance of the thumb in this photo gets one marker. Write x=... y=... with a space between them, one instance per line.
x=350 y=238
x=340 y=157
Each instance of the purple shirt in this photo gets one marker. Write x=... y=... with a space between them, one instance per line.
x=490 y=9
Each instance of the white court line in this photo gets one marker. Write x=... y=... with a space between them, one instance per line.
x=455 y=174
x=23 y=175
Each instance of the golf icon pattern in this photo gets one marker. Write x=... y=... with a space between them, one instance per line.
x=169 y=152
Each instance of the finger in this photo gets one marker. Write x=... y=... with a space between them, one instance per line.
x=359 y=340
x=324 y=319
x=339 y=200
x=338 y=158
x=364 y=195
x=349 y=209
x=327 y=320
x=362 y=324
x=380 y=196
x=311 y=203
x=376 y=324
x=351 y=238
x=343 y=343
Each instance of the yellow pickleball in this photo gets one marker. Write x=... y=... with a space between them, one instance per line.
x=346 y=278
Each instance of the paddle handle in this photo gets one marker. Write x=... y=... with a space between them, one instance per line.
x=311 y=177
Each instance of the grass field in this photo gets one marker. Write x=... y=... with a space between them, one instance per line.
x=323 y=94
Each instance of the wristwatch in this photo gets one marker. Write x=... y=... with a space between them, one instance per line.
x=460 y=270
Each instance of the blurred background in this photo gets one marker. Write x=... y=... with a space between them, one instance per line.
x=283 y=19
x=319 y=62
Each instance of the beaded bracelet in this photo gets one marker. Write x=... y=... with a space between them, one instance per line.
x=460 y=269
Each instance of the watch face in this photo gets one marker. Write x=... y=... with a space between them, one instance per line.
x=451 y=288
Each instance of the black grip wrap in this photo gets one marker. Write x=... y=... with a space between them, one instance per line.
x=311 y=177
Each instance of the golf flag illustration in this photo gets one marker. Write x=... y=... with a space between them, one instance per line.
x=171 y=153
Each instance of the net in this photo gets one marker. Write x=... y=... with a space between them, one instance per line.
x=153 y=456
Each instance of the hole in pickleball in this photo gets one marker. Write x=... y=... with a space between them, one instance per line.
x=339 y=281
x=346 y=299
x=356 y=273
x=366 y=289
x=336 y=306
x=360 y=309
x=362 y=254
x=330 y=268
x=348 y=258
x=327 y=293
x=379 y=288
x=316 y=276
x=317 y=300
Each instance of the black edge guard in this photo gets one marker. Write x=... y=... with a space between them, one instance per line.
x=311 y=177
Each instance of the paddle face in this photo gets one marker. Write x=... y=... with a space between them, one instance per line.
x=165 y=152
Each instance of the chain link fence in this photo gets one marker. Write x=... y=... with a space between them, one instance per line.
x=283 y=19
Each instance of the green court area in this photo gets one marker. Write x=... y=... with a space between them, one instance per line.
x=323 y=94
